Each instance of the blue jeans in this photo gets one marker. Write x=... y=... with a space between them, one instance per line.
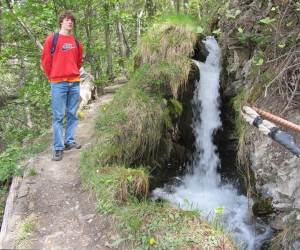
x=65 y=97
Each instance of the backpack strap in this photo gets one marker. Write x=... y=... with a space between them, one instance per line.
x=54 y=42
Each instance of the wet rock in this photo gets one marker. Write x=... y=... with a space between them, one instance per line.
x=264 y=207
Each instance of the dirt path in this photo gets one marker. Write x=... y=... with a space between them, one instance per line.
x=62 y=214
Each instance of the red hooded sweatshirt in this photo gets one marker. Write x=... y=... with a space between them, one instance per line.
x=66 y=60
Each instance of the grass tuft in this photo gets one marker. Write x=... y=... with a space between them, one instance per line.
x=167 y=228
x=166 y=50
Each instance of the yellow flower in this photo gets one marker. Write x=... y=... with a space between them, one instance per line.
x=152 y=241
x=104 y=108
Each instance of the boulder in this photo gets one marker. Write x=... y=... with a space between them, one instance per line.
x=120 y=80
x=88 y=89
x=112 y=89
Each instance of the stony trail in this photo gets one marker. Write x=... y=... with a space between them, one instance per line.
x=62 y=214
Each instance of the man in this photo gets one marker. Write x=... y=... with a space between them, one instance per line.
x=62 y=70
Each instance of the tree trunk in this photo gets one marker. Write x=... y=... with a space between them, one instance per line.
x=198 y=7
x=186 y=9
x=122 y=49
x=139 y=16
x=90 y=57
x=1 y=4
x=150 y=8
x=204 y=6
x=172 y=3
x=107 y=42
x=126 y=43
x=178 y=6
x=22 y=78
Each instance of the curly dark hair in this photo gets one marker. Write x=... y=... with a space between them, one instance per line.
x=66 y=14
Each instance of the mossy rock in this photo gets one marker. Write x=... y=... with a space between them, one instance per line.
x=263 y=208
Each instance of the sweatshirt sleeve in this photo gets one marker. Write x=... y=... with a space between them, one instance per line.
x=46 y=56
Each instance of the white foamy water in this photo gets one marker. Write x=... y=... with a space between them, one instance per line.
x=202 y=186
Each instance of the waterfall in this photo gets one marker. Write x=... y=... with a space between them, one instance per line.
x=206 y=119
x=202 y=186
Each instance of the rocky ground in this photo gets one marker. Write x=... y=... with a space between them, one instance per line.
x=50 y=210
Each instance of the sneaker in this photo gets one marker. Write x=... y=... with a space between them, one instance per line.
x=72 y=145
x=57 y=155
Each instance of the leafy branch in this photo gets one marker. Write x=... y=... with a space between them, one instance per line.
x=36 y=42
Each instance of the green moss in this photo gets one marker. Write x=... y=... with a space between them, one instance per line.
x=175 y=108
x=263 y=208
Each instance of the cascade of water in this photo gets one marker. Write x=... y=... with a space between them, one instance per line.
x=202 y=186
x=206 y=119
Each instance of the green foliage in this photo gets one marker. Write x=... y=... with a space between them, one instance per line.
x=241 y=30
x=258 y=62
x=32 y=172
x=240 y=100
x=175 y=108
x=218 y=220
x=117 y=185
x=146 y=224
x=230 y=15
x=8 y=161
x=22 y=90
x=132 y=124
x=163 y=53
x=11 y=161
x=208 y=10
x=199 y=30
x=190 y=208
x=26 y=229
x=217 y=32
x=3 y=195
x=255 y=39
x=15 y=152
x=142 y=224
x=24 y=82
x=267 y=20
x=175 y=19
x=219 y=211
